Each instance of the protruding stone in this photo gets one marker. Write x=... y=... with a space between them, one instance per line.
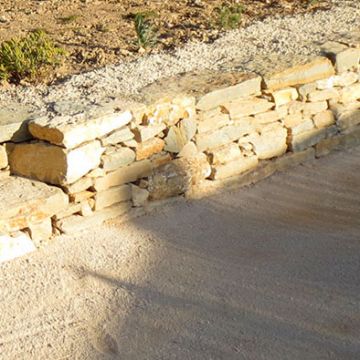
x=124 y=175
x=118 y=137
x=189 y=150
x=225 y=154
x=324 y=119
x=119 y=158
x=179 y=136
x=53 y=164
x=298 y=123
x=41 y=231
x=317 y=69
x=221 y=96
x=342 y=80
x=284 y=96
x=81 y=196
x=212 y=120
x=350 y=94
x=240 y=108
x=112 y=196
x=234 y=167
x=71 y=131
x=143 y=133
x=3 y=157
x=139 y=196
x=306 y=139
x=149 y=148
x=321 y=95
x=78 y=186
x=24 y=202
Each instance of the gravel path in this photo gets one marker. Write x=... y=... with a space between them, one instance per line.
x=268 y=272
x=287 y=36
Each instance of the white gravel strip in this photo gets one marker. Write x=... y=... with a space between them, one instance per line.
x=291 y=35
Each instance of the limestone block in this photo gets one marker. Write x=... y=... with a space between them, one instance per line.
x=348 y=119
x=77 y=223
x=139 y=196
x=343 y=57
x=224 y=154
x=3 y=157
x=178 y=176
x=149 y=148
x=81 y=196
x=212 y=120
x=121 y=157
x=345 y=79
x=317 y=69
x=24 y=202
x=284 y=96
x=306 y=89
x=271 y=142
x=222 y=96
x=41 y=231
x=179 y=136
x=78 y=186
x=112 y=196
x=143 y=133
x=298 y=123
x=350 y=94
x=309 y=108
x=127 y=174
x=269 y=117
x=71 y=209
x=306 y=139
x=53 y=164
x=223 y=136
x=160 y=159
x=189 y=150
x=234 y=167
x=72 y=131
x=324 y=119
x=118 y=136
x=240 y=108
x=86 y=209
x=16 y=246
x=98 y=172
x=321 y=95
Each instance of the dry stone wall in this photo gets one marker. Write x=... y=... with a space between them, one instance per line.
x=183 y=136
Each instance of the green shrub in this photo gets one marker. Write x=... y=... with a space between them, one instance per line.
x=145 y=30
x=229 y=16
x=27 y=57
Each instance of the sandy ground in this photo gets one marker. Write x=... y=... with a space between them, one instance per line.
x=267 y=272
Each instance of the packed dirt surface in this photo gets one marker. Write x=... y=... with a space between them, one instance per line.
x=100 y=32
x=269 y=272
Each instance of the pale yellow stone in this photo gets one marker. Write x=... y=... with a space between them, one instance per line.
x=268 y=117
x=241 y=108
x=306 y=139
x=81 y=196
x=179 y=136
x=124 y=175
x=143 y=133
x=78 y=186
x=342 y=80
x=324 y=119
x=121 y=157
x=41 y=231
x=317 y=69
x=212 y=120
x=222 y=96
x=321 y=95
x=71 y=131
x=225 y=154
x=297 y=124
x=350 y=94
x=118 y=136
x=284 y=96
x=53 y=164
x=233 y=168
x=139 y=196
x=112 y=196
x=189 y=150
x=3 y=157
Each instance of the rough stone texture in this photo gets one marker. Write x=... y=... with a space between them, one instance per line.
x=221 y=96
x=178 y=176
x=317 y=69
x=324 y=119
x=350 y=93
x=306 y=139
x=234 y=167
x=223 y=136
x=139 y=196
x=241 y=108
x=297 y=124
x=348 y=118
x=81 y=196
x=112 y=196
x=149 y=148
x=124 y=175
x=344 y=79
x=268 y=117
x=80 y=185
x=71 y=131
x=53 y=164
x=24 y=202
x=343 y=57
x=71 y=209
x=225 y=154
x=212 y=120
x=76 y=223
x=321 y=95
x=16 y=246
x=3 y=157
x=13 y=123
x=118 y=137
x=179 y=136
x=143 y=133
x=120 y=157
x=41 y=231
x=284 y=96
x=189 y=150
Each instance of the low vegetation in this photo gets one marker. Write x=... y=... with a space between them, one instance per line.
x=28 y=57
x=229 y=16
x=145 y=29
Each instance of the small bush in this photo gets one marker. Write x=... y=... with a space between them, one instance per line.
x=229 y=16
x=25 y=58
x=145 y=30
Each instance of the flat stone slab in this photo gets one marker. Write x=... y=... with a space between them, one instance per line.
x=13 y=123
x=24 y=202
